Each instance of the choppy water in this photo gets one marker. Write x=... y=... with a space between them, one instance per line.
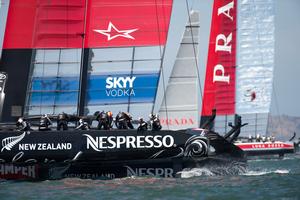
x=264 y=179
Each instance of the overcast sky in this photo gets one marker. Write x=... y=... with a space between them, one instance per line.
x=287 y=58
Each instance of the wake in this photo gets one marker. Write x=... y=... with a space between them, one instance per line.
x=266 y=172
x=214 y=170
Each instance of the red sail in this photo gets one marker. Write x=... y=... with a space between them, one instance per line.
x=61 y=23
x=219 y=88
x=128 y=23
x=45 y=24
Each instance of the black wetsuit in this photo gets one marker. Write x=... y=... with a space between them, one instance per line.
x=143 y=126
x=123 y=121
x=45 y=122
x=102 y=121
x=62 y=121
x=24 y=126
x=155 y=123
x=83 y=126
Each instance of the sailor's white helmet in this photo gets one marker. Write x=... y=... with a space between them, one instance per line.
x=20 y=120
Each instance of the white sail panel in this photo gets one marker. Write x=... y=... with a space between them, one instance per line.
x=180 y=106
x=255 y=56
x=3 y=16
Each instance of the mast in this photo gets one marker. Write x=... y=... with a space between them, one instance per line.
x=83 y=67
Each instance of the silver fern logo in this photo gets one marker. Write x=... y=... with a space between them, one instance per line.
x=9 y=142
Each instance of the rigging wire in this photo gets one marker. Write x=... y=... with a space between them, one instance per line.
x=276 y=100
x=161 y=65
x=194 y=50
x=277 y=109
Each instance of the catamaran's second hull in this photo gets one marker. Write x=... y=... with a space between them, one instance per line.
x=266 y=148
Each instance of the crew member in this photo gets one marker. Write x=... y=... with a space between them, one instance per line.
x=128 y=119
x=109 y=116
x=250 y=138
x=23 y=125
x=45 y=122
x=143 y=126
x=83 y=125
x=155 y=122
x=120 y=121
x=62 y=121
x=258 y=138
x=123 y=120
x=102 y=121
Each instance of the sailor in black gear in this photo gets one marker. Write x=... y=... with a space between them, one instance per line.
x=143 y=126
x=155 y=122
x=120 y=121
x=23 y=125
x=62 y=121
x=102 y=120
x=82 y=125
x=45 y=122
x=128 y=119
x=110 y=119
x=123 y=120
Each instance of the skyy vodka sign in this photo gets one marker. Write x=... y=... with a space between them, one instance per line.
x=120 y=86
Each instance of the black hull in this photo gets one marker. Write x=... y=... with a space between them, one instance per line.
x=114 y=154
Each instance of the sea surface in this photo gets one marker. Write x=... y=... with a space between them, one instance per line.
x=263 y=179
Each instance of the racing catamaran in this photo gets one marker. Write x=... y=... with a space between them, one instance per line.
x=115 y=153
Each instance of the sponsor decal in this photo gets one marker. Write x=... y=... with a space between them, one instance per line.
x=254 y=95
x=9 y=142
x=250 y=95
x=270 y=146
x=12 y=171
x=136 y=142
x=120 y=86
x=223 y=44
x=161 y=172
x=91 y=176
x=177 y=121
x=219 y=88
x=45 y=146
x=112 y=32
x=196 y=146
